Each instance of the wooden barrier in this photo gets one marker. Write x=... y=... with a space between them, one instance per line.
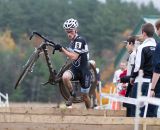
x=48 y=118
x=58 y=111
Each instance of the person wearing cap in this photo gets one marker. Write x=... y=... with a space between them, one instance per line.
x=131 y=48
x=156 y=69
x=79 y=54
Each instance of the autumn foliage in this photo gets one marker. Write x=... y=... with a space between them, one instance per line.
x=109 y=87
x=6 y=41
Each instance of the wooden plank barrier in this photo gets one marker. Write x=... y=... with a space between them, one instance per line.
x=60 y=111
x=49 y=118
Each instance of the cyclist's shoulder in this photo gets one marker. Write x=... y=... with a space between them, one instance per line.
x=80 y=39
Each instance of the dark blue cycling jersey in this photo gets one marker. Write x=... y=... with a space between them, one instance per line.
x=80 y=46
x=80 y=69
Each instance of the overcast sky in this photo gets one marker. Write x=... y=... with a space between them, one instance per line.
x=155 y=2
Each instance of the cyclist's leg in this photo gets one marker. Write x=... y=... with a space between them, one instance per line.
x=87 y=100
x=67 y=77
x=86 y=83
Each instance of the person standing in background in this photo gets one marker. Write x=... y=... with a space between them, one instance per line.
x=155 y=89
x=143 y=61
x=131 y=48
x=121 y=71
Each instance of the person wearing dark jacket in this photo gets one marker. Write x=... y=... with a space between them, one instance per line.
x=155 y=89
x=143 y=62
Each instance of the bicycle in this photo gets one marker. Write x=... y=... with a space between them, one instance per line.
x=55 y=77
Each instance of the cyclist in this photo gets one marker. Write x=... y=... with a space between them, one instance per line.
x=78 y=53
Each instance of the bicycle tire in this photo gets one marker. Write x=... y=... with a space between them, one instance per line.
x=27 y=67
x=65 y=92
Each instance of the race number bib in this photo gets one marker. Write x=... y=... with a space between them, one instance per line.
x=78 y=45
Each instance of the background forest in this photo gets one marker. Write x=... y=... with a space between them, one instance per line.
x=104 y=25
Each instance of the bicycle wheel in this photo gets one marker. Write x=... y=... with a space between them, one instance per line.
x=27 y=67
x=76 y=85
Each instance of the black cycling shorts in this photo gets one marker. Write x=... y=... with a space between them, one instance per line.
x=84 y=77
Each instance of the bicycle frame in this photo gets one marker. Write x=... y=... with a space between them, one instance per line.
x=54 y=76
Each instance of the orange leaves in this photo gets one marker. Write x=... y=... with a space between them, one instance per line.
x=6 y=41
x=108 y=88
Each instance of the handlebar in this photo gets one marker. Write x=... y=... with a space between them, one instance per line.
x=44 y=38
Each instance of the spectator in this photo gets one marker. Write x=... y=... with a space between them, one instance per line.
x=116 y=78
x=123 y=86
x=155 y=89
x=144 y=57
x=131 y=48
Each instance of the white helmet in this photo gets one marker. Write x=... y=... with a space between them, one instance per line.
x=70 y=24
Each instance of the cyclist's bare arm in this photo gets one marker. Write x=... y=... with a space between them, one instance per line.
x=71 y=55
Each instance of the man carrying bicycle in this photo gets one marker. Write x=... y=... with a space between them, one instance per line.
x=78 y=53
